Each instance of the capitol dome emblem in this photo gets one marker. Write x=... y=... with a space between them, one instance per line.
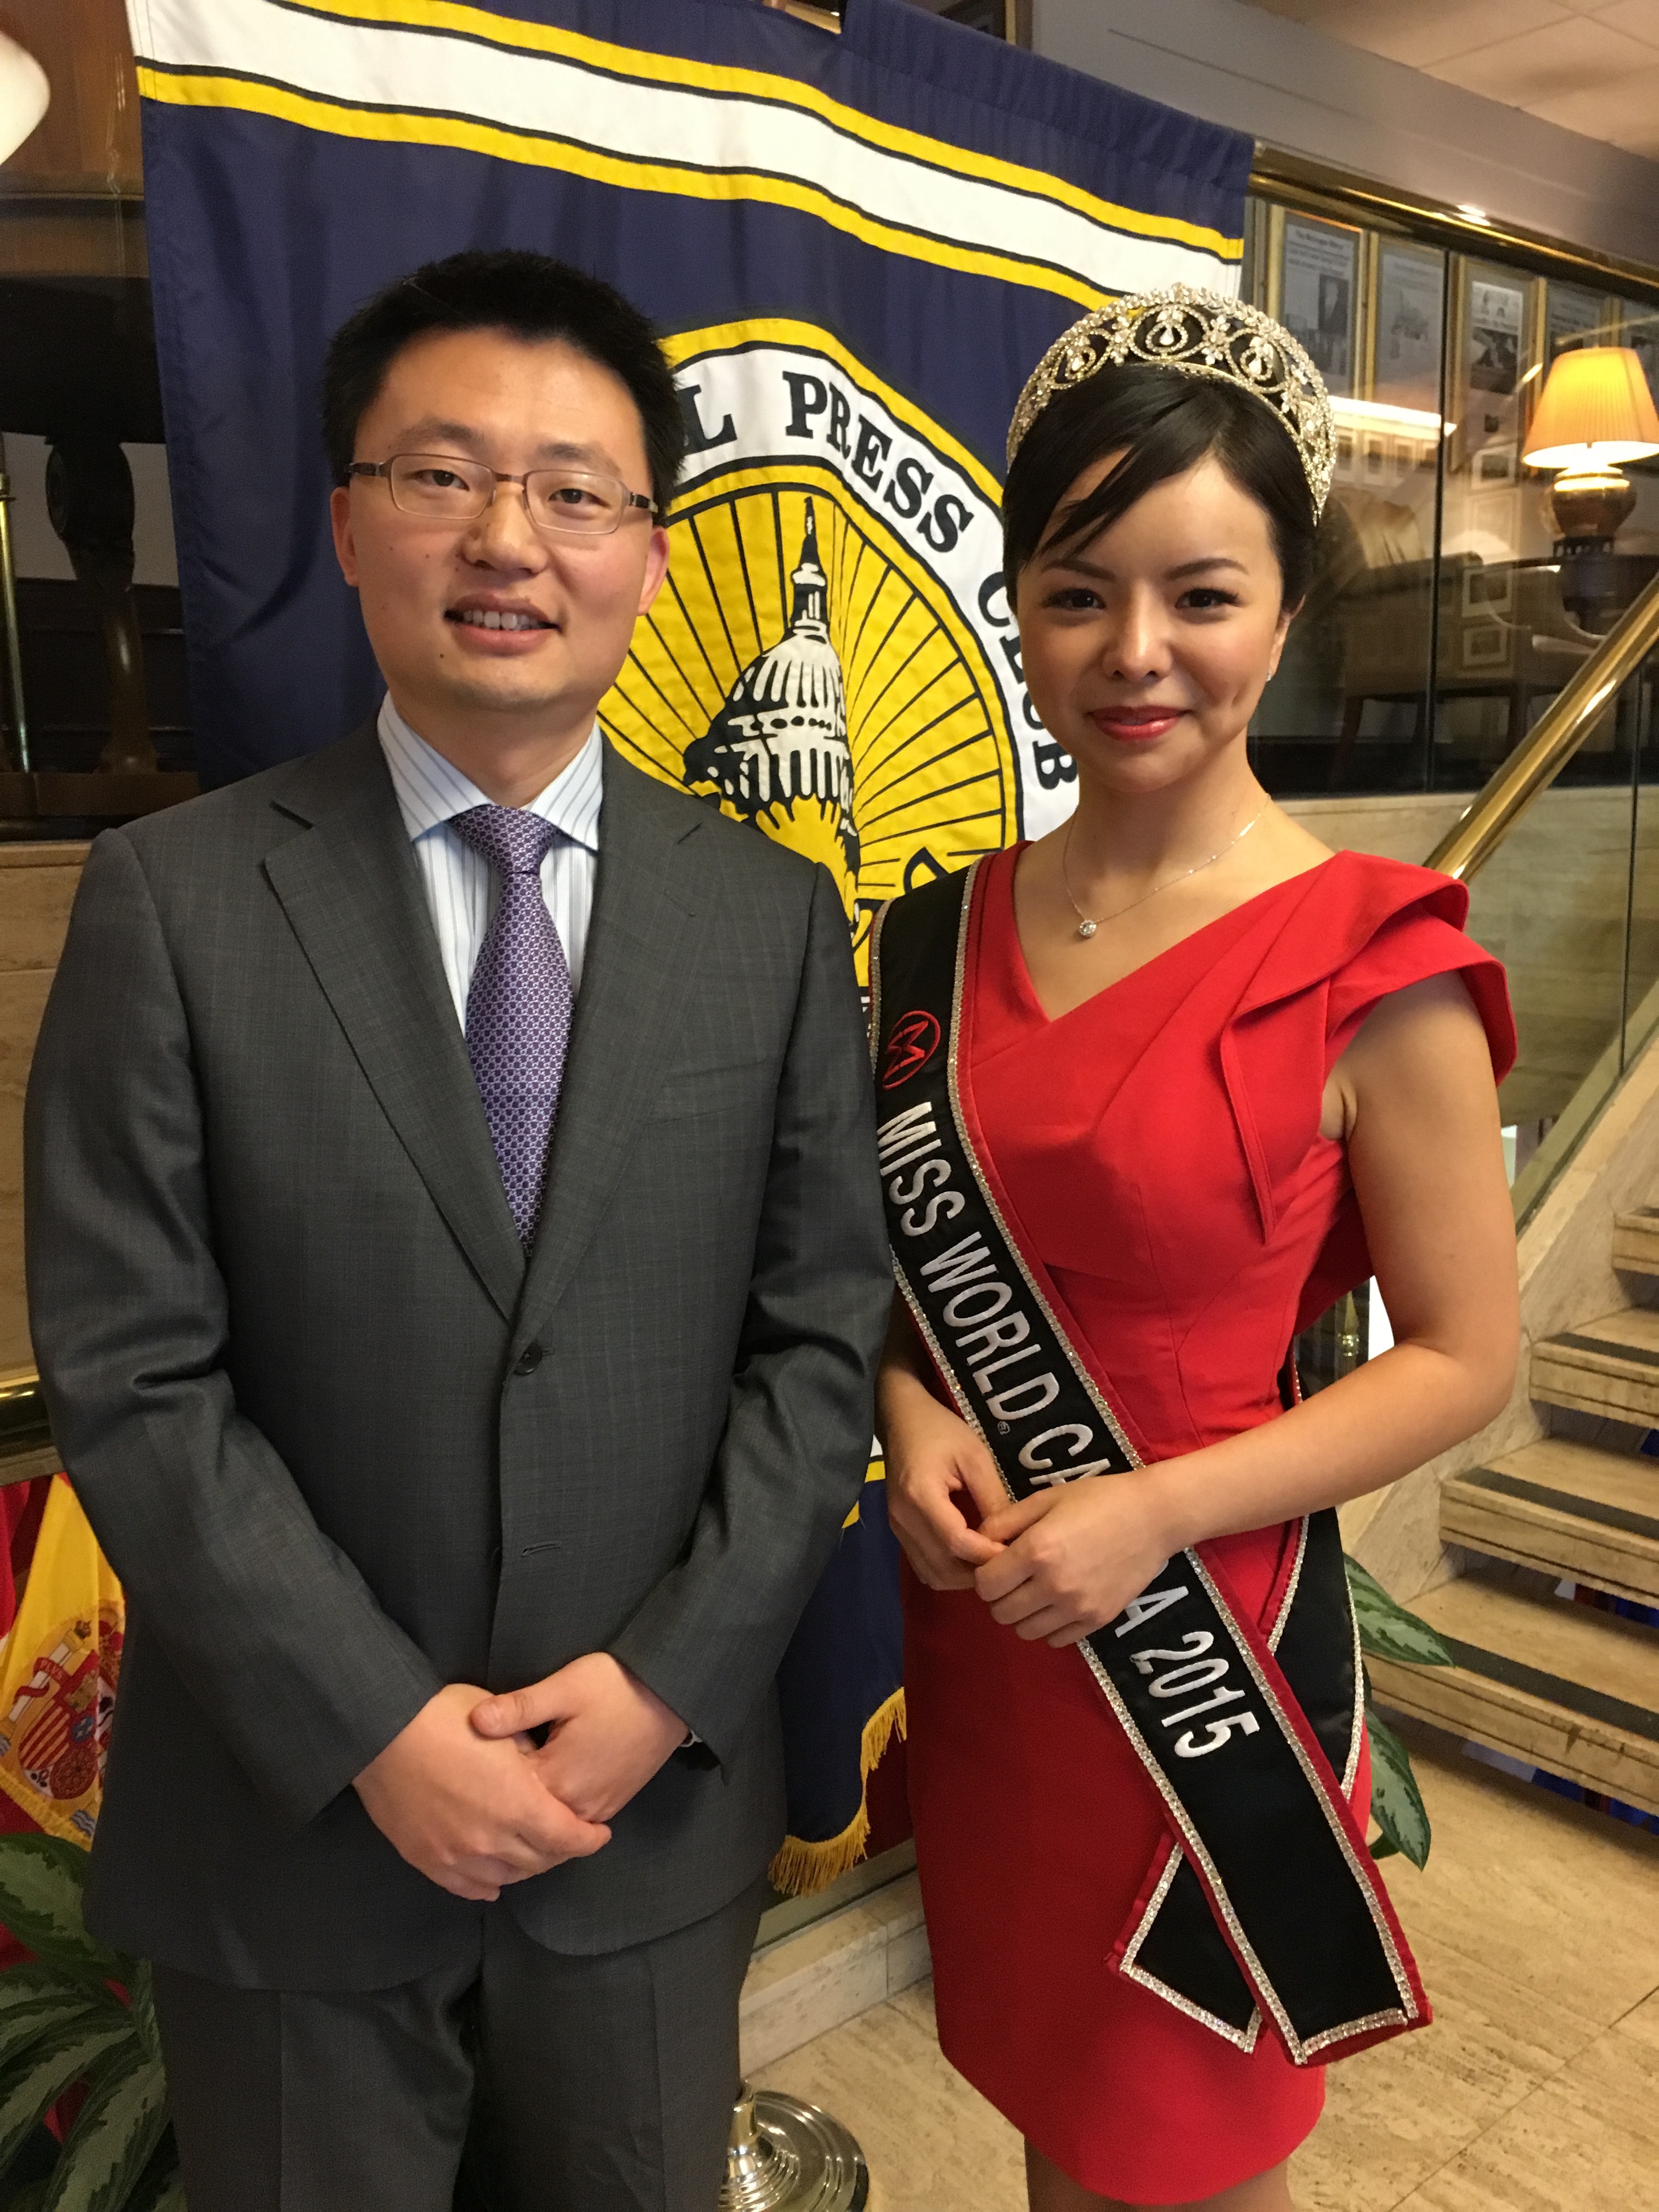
x=832 y=658
x=781 y=738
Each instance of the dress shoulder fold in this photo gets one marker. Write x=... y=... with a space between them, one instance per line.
x=1362 y=928
x=1366 y=926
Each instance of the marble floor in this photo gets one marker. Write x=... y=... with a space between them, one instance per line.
x=1537 y=1925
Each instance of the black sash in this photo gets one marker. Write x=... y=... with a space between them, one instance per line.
x=1266 y=1901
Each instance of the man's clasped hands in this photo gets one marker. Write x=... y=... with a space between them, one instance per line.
x=464 y=1794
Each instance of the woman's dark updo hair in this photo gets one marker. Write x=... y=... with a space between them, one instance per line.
x=1163 y=424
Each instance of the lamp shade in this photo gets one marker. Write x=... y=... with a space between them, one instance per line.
x=25 y=96
x=1597 y=410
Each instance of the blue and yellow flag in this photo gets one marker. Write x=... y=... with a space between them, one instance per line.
x=856 y=247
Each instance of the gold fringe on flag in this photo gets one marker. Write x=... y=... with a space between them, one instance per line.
x=801 y=1869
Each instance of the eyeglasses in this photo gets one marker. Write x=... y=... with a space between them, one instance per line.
x=438 y=487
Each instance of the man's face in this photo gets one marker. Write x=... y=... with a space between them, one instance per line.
x=516 y=406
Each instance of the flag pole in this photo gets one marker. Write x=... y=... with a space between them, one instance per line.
x=785 y=2156
x=17 y=713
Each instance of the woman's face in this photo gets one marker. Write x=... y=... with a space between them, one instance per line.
x=1146 y=648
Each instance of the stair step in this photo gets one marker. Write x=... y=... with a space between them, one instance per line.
x=1563 y=1687
x=1609 y=1366
x=1566 y=1508
x=1636 y=1240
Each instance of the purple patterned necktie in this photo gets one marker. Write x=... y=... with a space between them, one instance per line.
x=518 y=1007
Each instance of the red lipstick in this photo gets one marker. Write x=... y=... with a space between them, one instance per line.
x=1135 y=725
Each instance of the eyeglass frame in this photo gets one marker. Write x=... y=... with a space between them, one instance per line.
x=631 y=500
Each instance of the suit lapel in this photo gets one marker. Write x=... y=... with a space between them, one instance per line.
x=352 y=893
x=641 y=950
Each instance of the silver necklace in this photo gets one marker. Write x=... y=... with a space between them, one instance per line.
x=1085 y=928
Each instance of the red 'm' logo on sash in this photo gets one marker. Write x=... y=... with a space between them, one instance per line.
x=915 y=1038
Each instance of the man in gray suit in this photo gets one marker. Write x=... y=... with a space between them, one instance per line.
x=456 y=1274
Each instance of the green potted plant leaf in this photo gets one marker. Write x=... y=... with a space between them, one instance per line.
x=76 y=2013
x=1388 y=1630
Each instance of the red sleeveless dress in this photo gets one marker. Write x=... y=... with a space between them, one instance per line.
x=1159 y=1147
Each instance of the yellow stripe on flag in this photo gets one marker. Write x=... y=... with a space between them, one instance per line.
x=389 y=127
x=58 y=1673
x=724 y=81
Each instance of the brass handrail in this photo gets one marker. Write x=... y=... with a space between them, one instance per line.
x=22 y=1410
x=1560 y=730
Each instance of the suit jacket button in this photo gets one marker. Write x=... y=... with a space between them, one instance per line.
x=529 y=1361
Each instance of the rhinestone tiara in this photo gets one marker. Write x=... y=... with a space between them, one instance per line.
x=1197 y=334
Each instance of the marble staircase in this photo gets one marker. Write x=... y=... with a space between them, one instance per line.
x=1571 y=1688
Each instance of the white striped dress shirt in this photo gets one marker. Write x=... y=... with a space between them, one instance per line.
x=461 y=886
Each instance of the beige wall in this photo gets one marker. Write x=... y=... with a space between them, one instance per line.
x=1404 y=828
x=37 y=883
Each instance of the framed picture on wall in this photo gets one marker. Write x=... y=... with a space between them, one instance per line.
x=1488 y=589
x=1410 y=314
x=1319 y=294
x=1575 y=317
x=1638 y=328
x=1486 y=648
x=1494 y=522
x=1498 y=327
x=1494 y=337
x=1495 y=464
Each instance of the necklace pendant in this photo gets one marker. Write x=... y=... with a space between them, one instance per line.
x=1087 y=928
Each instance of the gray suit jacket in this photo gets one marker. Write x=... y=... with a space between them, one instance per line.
x=342 y=1445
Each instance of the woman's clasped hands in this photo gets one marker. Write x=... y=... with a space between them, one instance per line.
x=1053 y=1567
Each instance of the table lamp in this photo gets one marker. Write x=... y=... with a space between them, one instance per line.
x=24 y=95
x=1596 y=411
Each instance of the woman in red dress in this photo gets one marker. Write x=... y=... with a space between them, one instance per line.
x=1221 y=1075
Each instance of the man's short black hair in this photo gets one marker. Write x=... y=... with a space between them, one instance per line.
x=528 y=295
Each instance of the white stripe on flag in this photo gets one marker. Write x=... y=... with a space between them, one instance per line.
x=439 y=72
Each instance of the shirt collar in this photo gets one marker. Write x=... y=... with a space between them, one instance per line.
x=431 y=790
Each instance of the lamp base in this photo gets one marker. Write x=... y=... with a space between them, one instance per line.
x=1591 y=503
x=789 y=2157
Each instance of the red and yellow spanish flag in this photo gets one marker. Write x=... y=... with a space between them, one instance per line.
x=59 y=1670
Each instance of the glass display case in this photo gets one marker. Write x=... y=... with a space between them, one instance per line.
x=1445 y=612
